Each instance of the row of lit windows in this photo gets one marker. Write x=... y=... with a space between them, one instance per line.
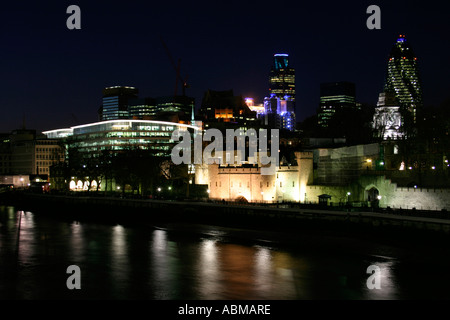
x=120 y=142
x=116 y=98
x=45 y=163
x=156 y=128
x=47 y=157
x=44 y=142
x=47 y=149
x=219 y=184
x=119 y=126
x=283 y=80
x=284 y=91
x=118 y=148
x=128 y=134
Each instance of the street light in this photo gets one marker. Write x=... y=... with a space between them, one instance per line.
x=348 y=194
x=159 y=189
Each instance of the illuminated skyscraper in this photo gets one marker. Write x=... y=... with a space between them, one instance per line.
x=115 y=102
x=403 y=79
x=280 y=105
x=334 y=97
x=282 y=77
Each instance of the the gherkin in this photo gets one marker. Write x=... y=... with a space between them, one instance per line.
x=403 y=79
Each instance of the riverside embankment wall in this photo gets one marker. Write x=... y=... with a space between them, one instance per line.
x=239 y=215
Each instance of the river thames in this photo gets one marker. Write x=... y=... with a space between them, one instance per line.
x=201 y=262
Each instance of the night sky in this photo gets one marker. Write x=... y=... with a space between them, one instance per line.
x=55 y=76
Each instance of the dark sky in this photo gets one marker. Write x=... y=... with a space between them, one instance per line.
x=55 y=76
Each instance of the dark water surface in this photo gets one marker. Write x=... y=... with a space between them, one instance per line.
x=181 y=261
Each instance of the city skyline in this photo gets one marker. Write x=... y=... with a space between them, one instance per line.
x=54 y=77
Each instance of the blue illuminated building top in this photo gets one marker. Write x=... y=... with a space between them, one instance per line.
x=281 y=61
x=401 y=38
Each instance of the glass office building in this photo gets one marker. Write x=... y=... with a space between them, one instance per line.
x=115 y=102
x=403 y=79
x=335 y=96
x=115 y=135
x=279 y=106
x=282 y=77
x=144 y=108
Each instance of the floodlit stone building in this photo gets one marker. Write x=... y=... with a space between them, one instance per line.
x=356 y=174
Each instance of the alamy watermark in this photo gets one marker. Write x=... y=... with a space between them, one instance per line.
x=374 y=280
x=74 y=280
x=213 y=153
x=374 y=21
x=74 y=21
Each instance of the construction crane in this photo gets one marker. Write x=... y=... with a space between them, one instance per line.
x=176 y=67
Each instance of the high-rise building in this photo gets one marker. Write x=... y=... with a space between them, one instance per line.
x=282 y=77
x=403 y=79
x=280 y=104
x=167 y=108
x=115 y=102
x=182 y=106
x=142 y=108
x=334 y=97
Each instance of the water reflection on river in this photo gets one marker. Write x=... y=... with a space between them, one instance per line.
x=197 y=262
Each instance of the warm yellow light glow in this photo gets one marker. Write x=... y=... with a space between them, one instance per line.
x=302 y=192
x=369 y=160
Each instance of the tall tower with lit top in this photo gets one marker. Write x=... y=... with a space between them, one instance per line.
x=403 y=79
x=282 y=77
x=280 y=104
